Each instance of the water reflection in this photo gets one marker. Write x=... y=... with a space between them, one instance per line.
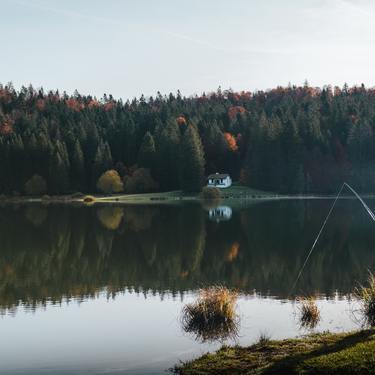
x=51 y=253
x=220 y=213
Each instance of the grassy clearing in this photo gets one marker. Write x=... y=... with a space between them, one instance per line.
x=148 y=197
x=239 y=191
x=350 y=353
x=212 y=316
x=236 y=191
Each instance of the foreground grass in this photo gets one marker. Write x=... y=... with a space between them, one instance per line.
x=350 y=353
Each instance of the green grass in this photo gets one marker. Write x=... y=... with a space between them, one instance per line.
x=233 y=192
x=349 y=353
x=240 y=191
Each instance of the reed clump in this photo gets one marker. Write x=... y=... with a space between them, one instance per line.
x=366 y=296
x=309 y=312
x=213 y=315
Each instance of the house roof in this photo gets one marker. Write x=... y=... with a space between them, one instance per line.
x=218 y=175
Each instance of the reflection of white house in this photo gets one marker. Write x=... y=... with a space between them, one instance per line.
x=220 y=180
x=220 y=213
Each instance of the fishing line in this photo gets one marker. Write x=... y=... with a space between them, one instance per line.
x=317 y=238
x=366 y=207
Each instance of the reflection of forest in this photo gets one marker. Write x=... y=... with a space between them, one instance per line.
x=47 y=253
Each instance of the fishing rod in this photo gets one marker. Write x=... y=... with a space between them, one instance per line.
x=366 y=207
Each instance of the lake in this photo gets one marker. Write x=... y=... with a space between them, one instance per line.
x=98 y=290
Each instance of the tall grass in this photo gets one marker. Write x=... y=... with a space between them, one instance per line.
x=213 y=315
x=366 y=296
x=309 y=312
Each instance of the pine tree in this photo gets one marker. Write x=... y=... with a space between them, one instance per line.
x=77 y=167
x=102 y=162
x=58 y=174
x=167 y=160
x=147 y=152
x=191 y=161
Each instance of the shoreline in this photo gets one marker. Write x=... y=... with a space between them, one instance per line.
x=166 y=198
x=324 y=353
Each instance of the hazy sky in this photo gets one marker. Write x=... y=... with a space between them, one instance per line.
x=129 y=47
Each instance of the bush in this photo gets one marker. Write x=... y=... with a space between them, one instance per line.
x=36 y=185
x=140 y=181
x=110 y=182
x=211 y=193
x=212 y=316
x=366 y=295
x=310 y=314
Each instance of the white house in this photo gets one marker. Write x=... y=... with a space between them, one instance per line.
x=220 y=180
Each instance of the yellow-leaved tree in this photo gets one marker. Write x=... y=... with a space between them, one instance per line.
x=110 y=182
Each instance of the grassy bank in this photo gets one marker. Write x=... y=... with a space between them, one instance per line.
x=349 y=353
x=236 y=191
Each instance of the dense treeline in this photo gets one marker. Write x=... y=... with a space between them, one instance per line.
x=74 y=252
x=294 y=139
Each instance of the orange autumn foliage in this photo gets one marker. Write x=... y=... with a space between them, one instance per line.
x=5 y=95
x=40 y=104
x=74 y=104
x=233 y=252
x=231 y=141
x=108 y=106
x=7 y=126
x=233 y=111
x=181 y=120
x=8 y=270
x=244 y=176
x=93 y=104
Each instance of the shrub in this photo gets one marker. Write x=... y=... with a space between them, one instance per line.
x=140 y=181
x=110 y=182
x=309 y=312
x=264 y=339
x=211 y=193
x=36 y=185
x=366 y=295
x=213 y=315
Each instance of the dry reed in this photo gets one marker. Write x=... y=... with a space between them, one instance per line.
x=213 y=315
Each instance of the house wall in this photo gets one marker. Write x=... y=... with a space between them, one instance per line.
x=225 y=183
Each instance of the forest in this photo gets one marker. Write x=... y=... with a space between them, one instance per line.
x=295 y=139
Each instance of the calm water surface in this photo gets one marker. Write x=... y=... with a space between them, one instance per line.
x=97 y=290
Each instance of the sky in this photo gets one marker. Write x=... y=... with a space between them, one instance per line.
x=131 y=47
